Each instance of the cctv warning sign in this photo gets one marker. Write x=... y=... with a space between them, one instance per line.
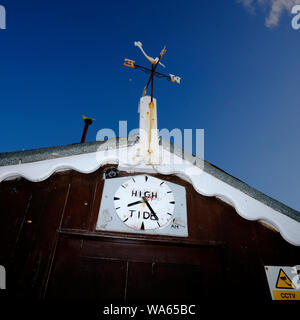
x=284 y=282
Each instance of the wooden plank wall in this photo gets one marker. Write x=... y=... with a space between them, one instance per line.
x=50 y=248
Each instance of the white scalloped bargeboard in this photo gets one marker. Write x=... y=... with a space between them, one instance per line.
x=204 y=183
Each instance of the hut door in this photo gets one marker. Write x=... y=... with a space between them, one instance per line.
x=122 y=271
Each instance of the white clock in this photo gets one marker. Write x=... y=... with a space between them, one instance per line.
x=144 y=203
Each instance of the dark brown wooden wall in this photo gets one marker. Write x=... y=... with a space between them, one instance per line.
x=50 y=248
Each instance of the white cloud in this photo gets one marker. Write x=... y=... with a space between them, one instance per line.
x=275 y=8
x=247 y=3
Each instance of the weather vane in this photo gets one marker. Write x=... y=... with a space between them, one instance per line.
x=154 y=63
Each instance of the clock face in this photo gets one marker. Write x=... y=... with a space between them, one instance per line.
x=144 y=203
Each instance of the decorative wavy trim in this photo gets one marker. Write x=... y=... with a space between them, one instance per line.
x=203 y=182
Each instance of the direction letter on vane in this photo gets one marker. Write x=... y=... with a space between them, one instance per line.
x=175 y=78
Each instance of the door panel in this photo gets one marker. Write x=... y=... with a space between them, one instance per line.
x=111 y=271
x=163 y=282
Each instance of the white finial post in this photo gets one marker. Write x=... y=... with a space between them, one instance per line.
x=148 y=132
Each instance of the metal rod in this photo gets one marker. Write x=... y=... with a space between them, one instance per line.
x=156 y=74
x=87 y=123
x=152 y=78
x=153 y=68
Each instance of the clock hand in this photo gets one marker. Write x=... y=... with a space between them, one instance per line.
x=151 y=210
x=133 y=203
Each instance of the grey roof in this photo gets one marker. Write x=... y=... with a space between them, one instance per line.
x=12 y=158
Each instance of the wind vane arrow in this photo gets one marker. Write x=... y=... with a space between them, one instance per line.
x=153 y=61
x=154 y=64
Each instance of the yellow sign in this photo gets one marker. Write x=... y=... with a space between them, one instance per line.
x=286 y=295
x=283 y=281
x=129 y=63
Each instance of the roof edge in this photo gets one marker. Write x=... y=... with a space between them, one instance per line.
x=41 y=154
x=233 y=181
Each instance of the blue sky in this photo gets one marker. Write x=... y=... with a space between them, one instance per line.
x=240 y=79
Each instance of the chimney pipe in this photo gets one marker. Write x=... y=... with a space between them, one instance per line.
x=87 y=123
